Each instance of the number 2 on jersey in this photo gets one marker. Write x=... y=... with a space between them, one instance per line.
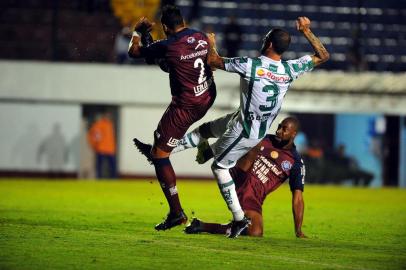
x=200 y=64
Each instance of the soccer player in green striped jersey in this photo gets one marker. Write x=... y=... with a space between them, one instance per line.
x=264 y=81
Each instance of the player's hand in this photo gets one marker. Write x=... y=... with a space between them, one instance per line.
x=211 y=38
x=143 y=25
x=302 y=24
x=300 y=235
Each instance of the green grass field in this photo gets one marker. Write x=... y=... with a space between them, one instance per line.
x=109 y=225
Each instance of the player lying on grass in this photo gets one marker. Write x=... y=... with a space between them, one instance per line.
x=261 y=171
x=264 y=82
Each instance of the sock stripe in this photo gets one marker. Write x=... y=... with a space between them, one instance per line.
x=190 y=140
x=227 y=184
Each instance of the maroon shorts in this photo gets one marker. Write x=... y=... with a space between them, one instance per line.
x=176 y=121
x=249 y=191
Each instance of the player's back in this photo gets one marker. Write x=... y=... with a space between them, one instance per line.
x=186 y=55
x=264 y=83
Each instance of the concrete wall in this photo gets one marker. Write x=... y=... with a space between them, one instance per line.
x=39 y=137
x=34 y=96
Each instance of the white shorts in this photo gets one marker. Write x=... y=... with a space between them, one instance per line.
x=230 y=145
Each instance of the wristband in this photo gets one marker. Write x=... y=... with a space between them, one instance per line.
x=136 y=34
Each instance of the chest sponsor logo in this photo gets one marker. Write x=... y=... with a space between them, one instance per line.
x=193 y=55
x=261 y=72
x=286 y=165
x=262 y=167
x=201 y=43
x=190 y=40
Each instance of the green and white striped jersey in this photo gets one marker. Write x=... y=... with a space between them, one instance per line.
x=264 y=83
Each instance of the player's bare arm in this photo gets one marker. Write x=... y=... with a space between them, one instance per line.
x=321 y=54
x=298 y=211
x=214 y=59
x=141 y=27
x=245 y=162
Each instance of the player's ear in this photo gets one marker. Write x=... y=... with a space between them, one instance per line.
x=165 y=28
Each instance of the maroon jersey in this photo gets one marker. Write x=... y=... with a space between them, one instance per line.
x=185 y=53
x=270 y=169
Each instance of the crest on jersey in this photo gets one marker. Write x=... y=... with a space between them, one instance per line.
x=286 y=165
x=201 y=43
x=190 y=40
x=274 y=154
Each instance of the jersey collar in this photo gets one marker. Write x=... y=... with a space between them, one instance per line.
x=269 y=60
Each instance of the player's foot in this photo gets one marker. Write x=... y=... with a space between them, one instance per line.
x=204 y=152
x=172 y=220
x=238 y=226
x=144 y=149
x=195 y=226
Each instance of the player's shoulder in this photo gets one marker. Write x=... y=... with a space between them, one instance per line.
x=237 y=60
x=296 y=156
x=195 y=32
x=268 y=140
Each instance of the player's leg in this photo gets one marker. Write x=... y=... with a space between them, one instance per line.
x=256 y=227
x=212 y=129
x=170 y=129
x=227 y=150
x=251 y=200
x=167 y=180
x=198 y=226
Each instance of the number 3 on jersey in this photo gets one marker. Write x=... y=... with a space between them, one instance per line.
x=271 y=100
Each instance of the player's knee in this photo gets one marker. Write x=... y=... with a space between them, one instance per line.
x=156 y=153
x=255 y=231
x=219 y=172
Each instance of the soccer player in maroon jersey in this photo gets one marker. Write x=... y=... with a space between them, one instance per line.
x=261 y=171
x=183 y=54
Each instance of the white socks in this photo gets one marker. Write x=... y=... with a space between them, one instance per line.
x=189 y=140
x=227 y=189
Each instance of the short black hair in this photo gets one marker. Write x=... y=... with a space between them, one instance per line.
x=171 y=16
x=294 y=121
x=279 y=38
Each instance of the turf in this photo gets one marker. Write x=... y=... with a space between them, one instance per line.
x=109 y=225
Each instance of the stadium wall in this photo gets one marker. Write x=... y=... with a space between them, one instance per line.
x=402 y=158
x=40 y=94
